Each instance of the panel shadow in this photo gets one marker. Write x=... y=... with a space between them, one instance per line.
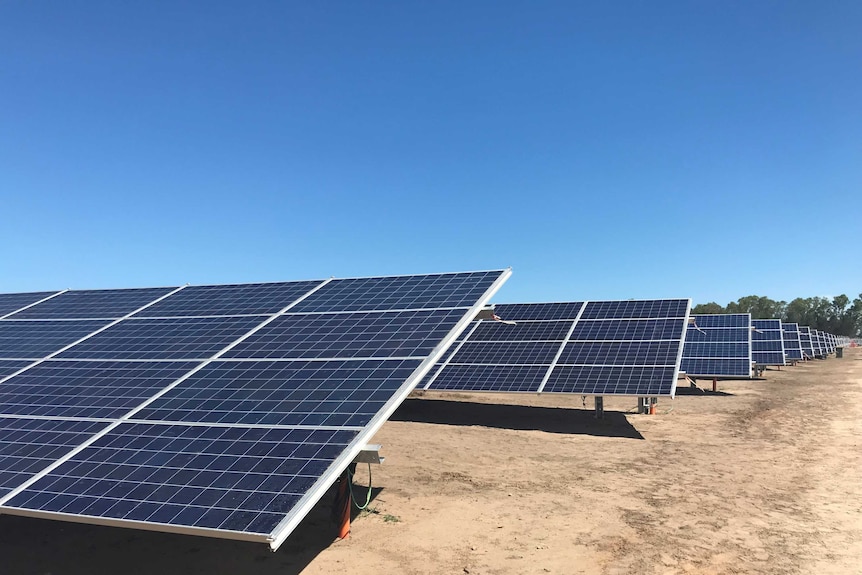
x=519 y=417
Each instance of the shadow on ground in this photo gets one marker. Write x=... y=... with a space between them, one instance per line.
x=38 y=546
x=521 y=417
x=687 y=390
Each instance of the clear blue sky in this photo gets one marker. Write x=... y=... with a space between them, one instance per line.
x=601 y=149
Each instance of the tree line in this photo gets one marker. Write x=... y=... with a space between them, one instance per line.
x=839 y=316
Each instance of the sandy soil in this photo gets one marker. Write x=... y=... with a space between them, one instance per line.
x=763 y=477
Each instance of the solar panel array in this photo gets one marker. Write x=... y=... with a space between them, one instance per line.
x=213 y=410
x=767 y=342
x=792 y=343
x=627 y=347
x=718 y=346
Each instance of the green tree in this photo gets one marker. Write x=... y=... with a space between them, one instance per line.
x=707 y=308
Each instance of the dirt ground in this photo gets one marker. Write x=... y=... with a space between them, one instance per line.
x=763 y=477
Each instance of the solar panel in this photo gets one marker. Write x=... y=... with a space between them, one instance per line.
x=627 y=347
x=215 y=410
x=805 y=339
x=792 y=343
x=718 y=346
x=817 y=344
x=767 y=342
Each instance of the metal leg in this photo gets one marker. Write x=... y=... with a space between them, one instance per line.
x=600 y=407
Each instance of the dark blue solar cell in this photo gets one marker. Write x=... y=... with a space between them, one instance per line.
x=27 y=446
x=10 y=302
x=400 y=293
x=92 y=304
x=38 y=339
x=103 y=389
x=348 y=335
x=175 y=338
x=508 y=352
x=628 y=330
x=653 y=353
x=723 y=320
x=538 y=311
x=239 y=299
x=502 y=378
x=8 y=366
x=636 y=309
x=181 y=476
x=600 y=380
x=716 y=367
x=524 y=331
x=343 y=393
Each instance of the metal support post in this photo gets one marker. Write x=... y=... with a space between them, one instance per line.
x=600 y=407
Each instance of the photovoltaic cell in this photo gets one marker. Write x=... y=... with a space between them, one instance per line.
x=175 y=338
x=226 y=478
x=767 y=342
x=718 y=346
x=92 y=304
x=86 y=389
x=29 y=445
x=240 y=299
x=349 y=335
x=399 y=293
x=38 y=339
x=310 y=393
x=10 y=302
